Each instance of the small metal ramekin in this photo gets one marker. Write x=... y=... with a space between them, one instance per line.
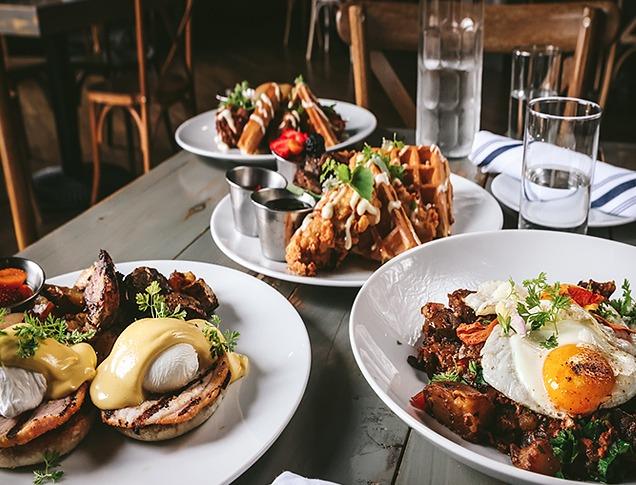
x=286 y=167
x=277 y=226
x=35 y=278
x=243 y=181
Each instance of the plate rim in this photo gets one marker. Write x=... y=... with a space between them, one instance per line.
x=303 y=333
x=323 y=281
x=619 y=220
x=268 y=157
x=469 y=457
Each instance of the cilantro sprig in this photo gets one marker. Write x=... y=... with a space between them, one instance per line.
x=49 y=473
x=359 y=179
x=219 y=345
x=33 y=331
x=153 y=300
x=537 y=315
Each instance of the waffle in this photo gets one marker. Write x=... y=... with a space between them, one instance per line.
x=317 y=116
x=400 y=215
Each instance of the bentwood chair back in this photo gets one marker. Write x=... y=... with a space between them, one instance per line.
x=587 y=30
x=134 y=96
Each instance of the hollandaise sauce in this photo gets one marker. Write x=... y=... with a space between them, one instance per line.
x=119 y=380
x=65 y=368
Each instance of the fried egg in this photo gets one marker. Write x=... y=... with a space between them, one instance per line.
x=590 y=367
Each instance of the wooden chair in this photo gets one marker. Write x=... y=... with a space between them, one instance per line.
x=134 y=95
x=585 y=29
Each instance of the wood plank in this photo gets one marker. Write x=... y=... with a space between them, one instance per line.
x=154 y=217
x=424 y=463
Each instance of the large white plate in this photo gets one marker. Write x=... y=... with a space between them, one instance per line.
x=387 y=310
x=253 y=413
x=197 y=134
x=473 y=207
x=507 y=190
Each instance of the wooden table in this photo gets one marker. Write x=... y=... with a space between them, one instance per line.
x=341 y=431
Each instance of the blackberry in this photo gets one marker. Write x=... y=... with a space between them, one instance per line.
x=315 y=145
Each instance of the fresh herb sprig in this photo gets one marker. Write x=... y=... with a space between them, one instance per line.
x=392 y=144
x=476 y=370
x=238 y=97
x=153 y=300
x=448 y=376
x=475 y=378
x=50 y=472
x=551 y=342
x=3 y=313
x=625 y=306
x=33 y=331
x=618 y=448
x=359 y=179
x=219 y=345
x=536 y=315
x=382 y=161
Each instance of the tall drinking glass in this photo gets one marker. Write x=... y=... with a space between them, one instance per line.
x=449 y=74
x=536 y=73
x=559 y=154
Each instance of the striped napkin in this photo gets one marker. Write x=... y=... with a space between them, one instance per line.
x=613 y=188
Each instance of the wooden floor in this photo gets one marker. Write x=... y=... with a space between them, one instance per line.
x=217 y=69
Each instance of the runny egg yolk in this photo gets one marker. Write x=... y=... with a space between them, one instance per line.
x=578 y=379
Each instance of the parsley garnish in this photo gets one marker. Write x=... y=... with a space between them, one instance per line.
x=299 y=79
x=531 y=310
x=238 y=97
x=49 y=474
x=475 y=369
x=551 y=342
x=359 y=179
x=219 y=345
x=625 y=306
x=33 y=331
x=618 y=448
x=565 y=446
x=154 y=301
x=392 y=144
x=448 y=376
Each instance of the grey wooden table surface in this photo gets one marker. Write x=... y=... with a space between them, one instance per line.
x=341 y=431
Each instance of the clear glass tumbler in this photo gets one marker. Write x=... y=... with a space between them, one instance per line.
x=449 y=74
x=559 y=154
x=536 y=73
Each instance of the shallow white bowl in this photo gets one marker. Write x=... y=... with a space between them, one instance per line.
x=386 y=321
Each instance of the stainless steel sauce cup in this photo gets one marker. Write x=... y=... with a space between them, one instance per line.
x=286 y=168
x=243 y=181
x=279 y=213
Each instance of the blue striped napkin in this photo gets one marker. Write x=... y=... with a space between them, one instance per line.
x=613 y=188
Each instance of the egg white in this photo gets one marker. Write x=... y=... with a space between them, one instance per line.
x=172 y=369
x=513 y=364
x=20 y=390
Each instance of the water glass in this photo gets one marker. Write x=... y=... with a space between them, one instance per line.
x=449 y=74
x=536 y=73
x=559 y=154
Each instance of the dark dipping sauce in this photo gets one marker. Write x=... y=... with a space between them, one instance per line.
x=287 y=205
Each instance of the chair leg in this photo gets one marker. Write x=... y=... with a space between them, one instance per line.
x=288 y=20
x=144 y=136
x=130 y=143
x=92 y=119
x=313 y=19
x=327 y=24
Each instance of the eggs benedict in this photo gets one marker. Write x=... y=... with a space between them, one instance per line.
x=44 y=376
x=165 y=376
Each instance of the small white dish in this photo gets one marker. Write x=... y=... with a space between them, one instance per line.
x=252 y=415
x=507 y=190
x=386 y=322
x=474 y=210
x=197 y=135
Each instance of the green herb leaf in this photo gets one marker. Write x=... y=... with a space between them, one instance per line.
x=48 y=474
x=504 y=322
x=531 y=310
x=343 y=173
x=362 y=182
x=154 y=301
x=392 y=144
x=218 y=345
x=3 y=313
x=396 y=171
x=618 y=448
x=328 y=169
x=593 y=429
x=299 y=79
x=551 y=342
x=565 y=446
x=449 y=376
x=238 y=97
x=625 y=306
x=475 y=369
x=33 y=331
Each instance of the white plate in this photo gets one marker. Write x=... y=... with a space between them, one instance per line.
x=387 y=310
x=474 y=210
x=253 y=413
x=507 y=190
x=197 y=134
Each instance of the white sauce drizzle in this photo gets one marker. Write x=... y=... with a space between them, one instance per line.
x=226 y=114
x=348 y=243
x=221 y=144
x=306 y=221
x=277 y=91
x=394 y=204
x=327 y=209
x=381 y=178
x=259 y=120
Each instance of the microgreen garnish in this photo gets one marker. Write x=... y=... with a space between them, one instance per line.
x=448 y=376
x=533 y=312
x=551 y=342
x=219 y=344
x=30 y=333
x=239 y=97
x=154 y=301
x=504 y=322
x=475 y=369
x=299 y=79
x=626 y=305
x=392 y=144
x=49 y=473
x=359 y=179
